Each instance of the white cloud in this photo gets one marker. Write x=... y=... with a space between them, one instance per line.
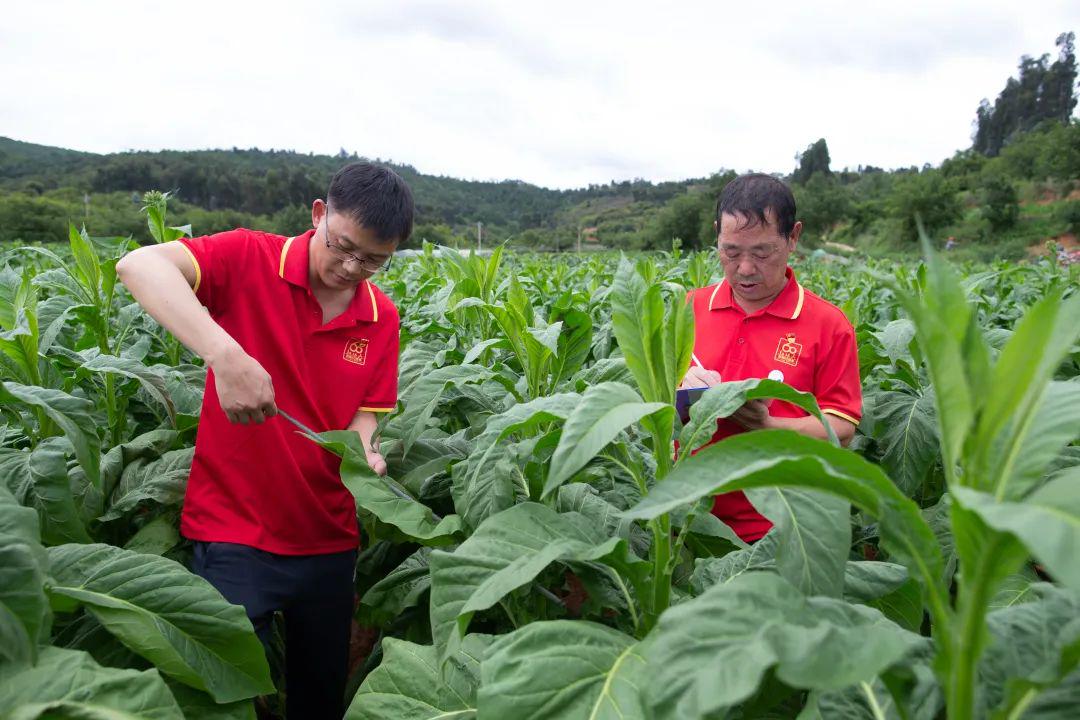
x=558 y=93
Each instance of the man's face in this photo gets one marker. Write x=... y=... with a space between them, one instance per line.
x=354 y=253
x=755 y=258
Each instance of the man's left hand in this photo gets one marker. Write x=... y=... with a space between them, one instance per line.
x=377 y=462
x=753 y=415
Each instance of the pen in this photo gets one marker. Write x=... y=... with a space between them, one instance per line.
x=696 y=361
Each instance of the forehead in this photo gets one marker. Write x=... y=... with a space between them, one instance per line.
x=743 y=230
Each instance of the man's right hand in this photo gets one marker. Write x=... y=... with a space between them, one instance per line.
x=699 y=377
x=244 y=388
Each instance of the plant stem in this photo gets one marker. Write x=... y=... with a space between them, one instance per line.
x=972 y=602
x=875 y=707
x=115 y=424
x=661 y=529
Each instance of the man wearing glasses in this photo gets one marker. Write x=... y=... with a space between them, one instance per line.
x=294 y=323
x=759 y=322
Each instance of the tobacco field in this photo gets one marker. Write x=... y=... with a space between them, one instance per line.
x=539 y=550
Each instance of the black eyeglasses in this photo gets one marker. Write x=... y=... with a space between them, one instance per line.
x=366 y=263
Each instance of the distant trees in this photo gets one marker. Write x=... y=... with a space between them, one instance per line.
x=1000 y=202
x=1043 y=91
x=813 y=160
x=689 y=217
x=822 y=203
x=927 y=196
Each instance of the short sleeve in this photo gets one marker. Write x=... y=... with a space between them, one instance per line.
x=836 y=378
x=381 y=393
x=214 y=256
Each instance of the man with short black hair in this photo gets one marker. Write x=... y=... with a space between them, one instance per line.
x=759 y=322
x=293 y=323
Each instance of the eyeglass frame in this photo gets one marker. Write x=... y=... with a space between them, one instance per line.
x=335 y=248
x=724 y=256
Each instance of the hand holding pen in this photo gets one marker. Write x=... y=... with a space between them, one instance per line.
x=698 y=376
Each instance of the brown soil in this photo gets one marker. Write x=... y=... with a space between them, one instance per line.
x=1068 y=240
x=1048 y=196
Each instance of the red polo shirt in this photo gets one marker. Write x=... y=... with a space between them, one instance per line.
x=265 y=485
x=798 y=339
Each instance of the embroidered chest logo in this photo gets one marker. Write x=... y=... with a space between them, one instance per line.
x=788 y=351
x=356 y=351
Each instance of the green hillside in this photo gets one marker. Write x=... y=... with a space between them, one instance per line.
x=1009 y=194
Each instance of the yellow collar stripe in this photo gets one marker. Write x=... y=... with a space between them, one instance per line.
x=798 y=307
x=374 y=307
x=713 y=296
x=284 y=252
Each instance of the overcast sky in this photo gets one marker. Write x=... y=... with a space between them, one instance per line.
x=555 y=93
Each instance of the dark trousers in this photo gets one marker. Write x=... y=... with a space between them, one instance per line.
x=314 y=593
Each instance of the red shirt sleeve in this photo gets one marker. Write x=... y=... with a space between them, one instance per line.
x=214 y=257
x=381 y=394
x=836 y=378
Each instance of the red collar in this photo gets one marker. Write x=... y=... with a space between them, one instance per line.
x=788 y=304
x=293 y=267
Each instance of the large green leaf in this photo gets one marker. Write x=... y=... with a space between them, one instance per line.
x=1047 y=523
x=1054 y=424
x=1027 y=363
x=198 y=705
x=905 y=426
x=483 y=486
x=168 y=615
x=141 y=449
x=722 y=400
x=73 y=415
x=575 y=342
x=24 y=608
x=605 y=370
x=941 y=316
x=637 y=316
x=149 y=378
x=813 y=535
x=1035 y=645
x=866 y=580
x=15 y=644
x=563 y=669
x=407 y=685
x=402 y=587
x=781 y=458
x=508 y=551
x=39 y=479
x=87 y=268
x=713 y=652
x=19 y=337
x=156 y=537
x=70 y=676
x=67 y=710
x=716 y=570
x=604 y=411
x=162 y=481
x=584 y=499
x=678 y=342
x=376 y=495
x=896 y=339
x=423 y=396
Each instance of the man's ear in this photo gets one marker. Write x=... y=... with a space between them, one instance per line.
x=796 y=232
x=318 y=212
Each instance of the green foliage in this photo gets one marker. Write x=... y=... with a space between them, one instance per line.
x=823 y=203
x=1041 y=92
x=683 y=219
x=812 y=161
x=539 y=548
x=926 y=197
x=1001 y=206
